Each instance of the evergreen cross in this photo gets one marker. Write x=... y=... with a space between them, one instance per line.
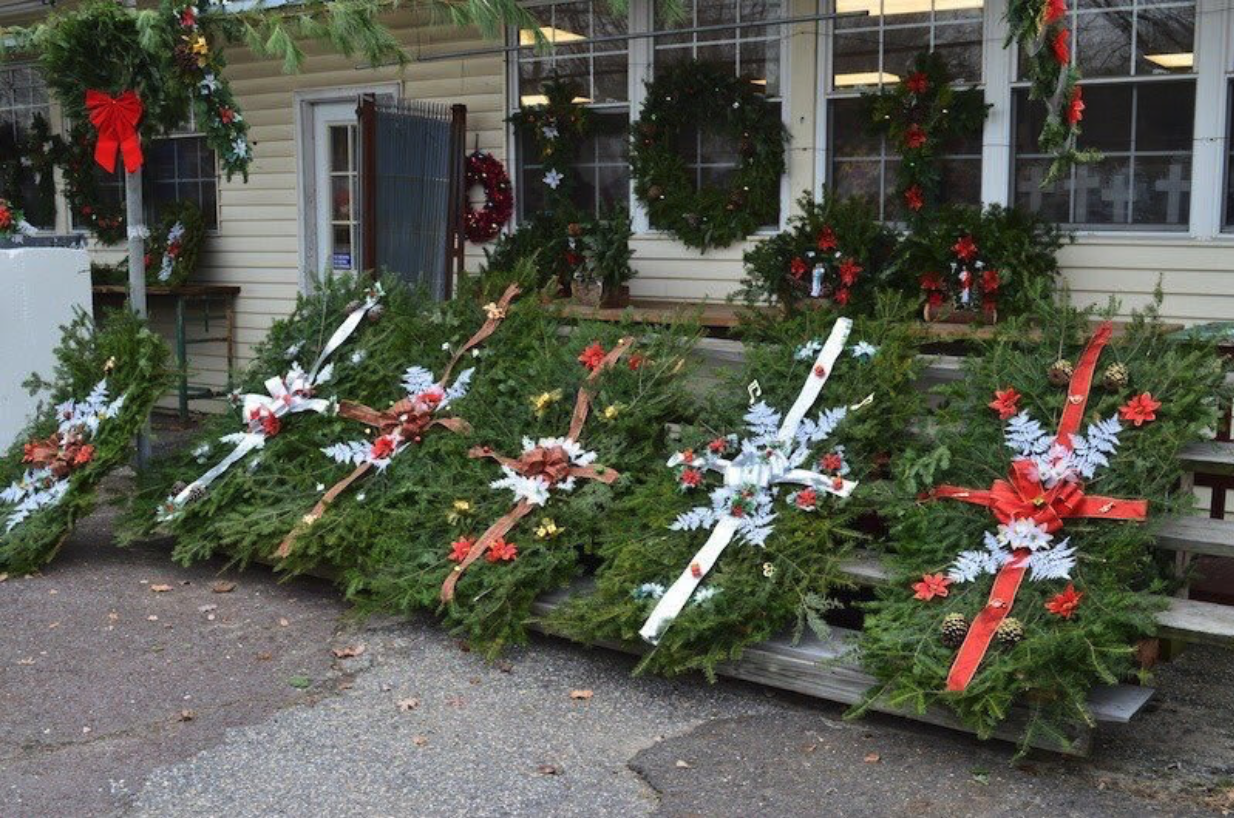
x=544 y=465
x=1024 y=497
x=404 y=423
x=763 y=463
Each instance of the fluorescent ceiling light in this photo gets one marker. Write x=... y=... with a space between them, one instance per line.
x=1184 y=59
x=527 y=36
x=891 y=7
x=865 y=78
x=761 y=82
x=541 y=99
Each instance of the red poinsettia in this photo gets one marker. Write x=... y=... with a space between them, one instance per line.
x=1141 y=409
x=592 y=356
x=1060 y=47
x=833 y=461
x=718 y=446
x=841 y=296
x=691 y=478
x=226 y=115
x=6 y=217
x=502 y=550
x=917 y=82
x=460 y=548
x=1075 y=107
x=383 y=448
x=848 y=271
x=269 y=421
x=84 y=455
x=827 y=239
x=636 y=362
x=806 y=499
x=913 y=198
x=965 y=248
x=935 y=298
x=1006 y=402
x=931 y=585
x=188 y=17
x=1054 y=11
x=932 y=281
x=798 y=267
x=989 y=281
x=1065 y=604
x=914 y=137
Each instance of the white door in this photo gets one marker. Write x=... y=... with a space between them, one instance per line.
x=336 y=160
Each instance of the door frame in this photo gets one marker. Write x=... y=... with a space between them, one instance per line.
x=306 y=153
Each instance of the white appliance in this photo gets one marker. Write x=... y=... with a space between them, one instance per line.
x=40 y=288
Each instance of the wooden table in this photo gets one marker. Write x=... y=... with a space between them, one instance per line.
x=207 y=295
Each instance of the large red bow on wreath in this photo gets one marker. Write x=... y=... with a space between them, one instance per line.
x=1023 y=497
x=116 y=120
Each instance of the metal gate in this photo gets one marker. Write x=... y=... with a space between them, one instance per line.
x=412 y=188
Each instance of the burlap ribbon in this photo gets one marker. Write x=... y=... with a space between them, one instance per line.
x=116 y=120
x=59 y=454
x=552 y=464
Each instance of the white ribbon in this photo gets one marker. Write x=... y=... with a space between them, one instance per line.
x=762 y=472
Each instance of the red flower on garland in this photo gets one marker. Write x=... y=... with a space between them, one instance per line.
x=636 y=362
x=848 y=271
x=383 y=448
x=965 y=248
x=459 y=549
x=502 y=550
x=931 y=585
x=269 y=421
x=798 y=267
x=226 y=115
x=935 y=298
x=833 y=461
x=1054 y=11
x=691 y=478
x=989 y=281
x=806 y=499
x=1065 y=604
x=917 y=82
x=914 y=137
x=188 y=17
x=932 y=281
x=1141 y=409
x=592 y=356
x=1062 y=51
x=6 y=217
x=827 y=239
x=1075 y=107
x=84 y=455
x=718 y=446
x=913 y=198
x=1006 y=402
x=841 y=297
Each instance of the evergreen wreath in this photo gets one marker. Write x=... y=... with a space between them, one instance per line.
x=919 y=116
x=104 y=217
x=999 y=262
x=835 y=251
x=699 y=95
x=171 y=255
x=557 y=127
x=107 y=378
x=488 y=172
x=1090 y=591
x=1040 y=29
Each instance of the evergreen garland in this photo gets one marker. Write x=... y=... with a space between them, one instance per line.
x=132 y=363
x=694 y=95
x=1050 y=659
x=919 y=116
x=557 y=128
x=104 y=218
x=838 y=241
x=757 y=593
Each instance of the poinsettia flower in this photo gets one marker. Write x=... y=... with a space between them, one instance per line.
x=188 y=17
x=226 y=115
x=914 y=137
x=827 y=239
x=1066 y=603
x=268 y=421
x=914 y=198
x=841 y=296
x=502 y=551
x=1075 y=107
x=636 y=362
x=965 y=248
x=460 y=548
x=931 y=281
x=989 y=281
x=691 y=478
x=931 y=585
x=1060 y=47
x=798 y=267
x=806 y=499
x=6 y=217
x=848 y=271
x=1141 y=409
x=718 y=446
x=383 y=448
x=84 y=455
x=917 y=82
x=592 y=356
x=833 y=461
x=935 y=298
x=1006 y=403
x=1054 y=11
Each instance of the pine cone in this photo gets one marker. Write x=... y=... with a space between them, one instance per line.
x=1061 y=372
x=574 y=229
x=955 y=628
x=1010 y=631
x=1115 y=377
x=186 y=60
x=655 y=193
x=352 y=306
x=196 y=494
x=375 y=313
x=178 y=487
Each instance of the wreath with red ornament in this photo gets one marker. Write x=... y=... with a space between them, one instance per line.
x=484 y=224
x=920 y=116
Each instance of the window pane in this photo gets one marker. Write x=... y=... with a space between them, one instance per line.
x=961 y=181
x=1103 y=44
x=1107 y=121
x=1162 y=190
x=849 y=134
x=960 y=46
x=900 y=48
x=1165 y=41
x=1165 y=116
x=1052 y=202
x=857 y=178
x=23 y=97
x=856 y=58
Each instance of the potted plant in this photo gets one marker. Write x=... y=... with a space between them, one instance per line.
x=607 y=254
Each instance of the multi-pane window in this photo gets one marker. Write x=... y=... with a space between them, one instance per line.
x=1137 y=59
x=601 y=73
x=344 y=241
x=752 y=51
x=876 y=50
x=23 y=96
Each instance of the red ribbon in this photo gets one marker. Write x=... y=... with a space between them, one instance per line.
x=1023 y=497
x=116 y=120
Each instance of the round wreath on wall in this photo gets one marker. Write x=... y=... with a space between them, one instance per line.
x=487 y=171
x=679 y=99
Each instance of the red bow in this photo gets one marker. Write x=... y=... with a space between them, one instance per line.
x=116 y=120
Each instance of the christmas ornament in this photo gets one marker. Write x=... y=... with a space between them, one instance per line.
x=771 y=457
x=955 y=628
x=484 y=225
x=404 y=423
x=13 y=224
x=545 y=466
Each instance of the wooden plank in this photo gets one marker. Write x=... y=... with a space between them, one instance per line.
x=1201 y=622
x=1210 y=457
x=1197 y=535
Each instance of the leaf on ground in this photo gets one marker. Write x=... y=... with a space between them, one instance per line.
x=683 y=765
x=299 y=682
x=349 y=652
x=186 y=715
x=160 y=589
x=581 y=695
x=283 y=622
x=420 y=741
x=264 y=657
x=548 y=769
x=407 y=705
x=223 y=587
x=872 y=758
